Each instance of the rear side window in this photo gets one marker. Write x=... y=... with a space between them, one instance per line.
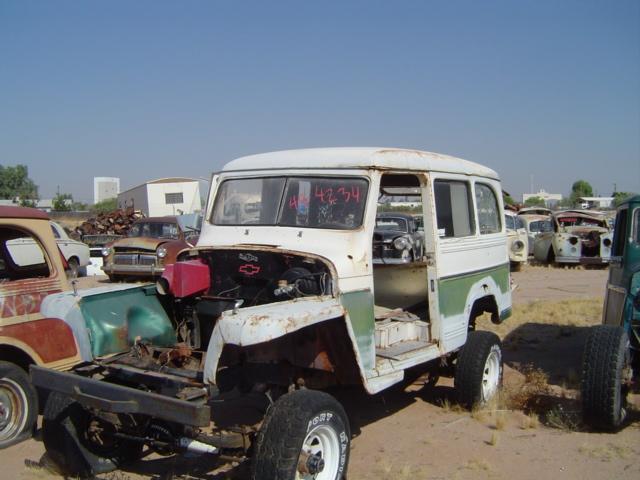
x=454 y=210
x=635 y=235
x=620 y=233
x=488 y=210
x=21 y=256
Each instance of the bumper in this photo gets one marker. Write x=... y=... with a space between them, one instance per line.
x=114 y=398
x=583 y=260
x=142 y=270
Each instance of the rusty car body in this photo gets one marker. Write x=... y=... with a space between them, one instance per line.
x=517 y=239
x=578 y=237
x=151 y=244
x=31 y=268
x=534 y=225
x=278 y=301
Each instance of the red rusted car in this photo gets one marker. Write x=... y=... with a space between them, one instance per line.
x=152 y=243
x=31 y=268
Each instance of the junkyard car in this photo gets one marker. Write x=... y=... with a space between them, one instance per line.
x=152 y=243
x=517 y=239
x=397 y=238
x=31 y=268
x=578 y=237
x=611 y=359
x=281 y=300
x=535 y=225
x=75 y=253
x=96 y=245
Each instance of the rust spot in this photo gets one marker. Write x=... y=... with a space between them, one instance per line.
x=51 y=338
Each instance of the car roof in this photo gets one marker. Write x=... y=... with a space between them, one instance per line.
x=359 y=158
x=22 y=212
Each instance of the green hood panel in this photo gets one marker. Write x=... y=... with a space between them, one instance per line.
x=116 y=319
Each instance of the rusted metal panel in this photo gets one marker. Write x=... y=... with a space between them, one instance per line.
x=51 y=338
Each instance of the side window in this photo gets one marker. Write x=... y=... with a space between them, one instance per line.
x=635 y=234
x=21 y=256
x=620 y=233
x=519 y=223
x=454 y=211
x=488 y=210
x=56 y=234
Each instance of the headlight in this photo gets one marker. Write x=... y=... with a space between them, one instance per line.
x=401 y=243
x=161 y=252
x=607 y=242
x=573 y=240
x=517 y=245
x=105 y=251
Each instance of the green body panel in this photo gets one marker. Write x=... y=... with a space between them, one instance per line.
x=359 y=305
x=453 y=291
x=116 y=319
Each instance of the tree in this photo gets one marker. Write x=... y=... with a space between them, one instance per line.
x=508 y=200
x=580 y=188
x=619 y=197
x=535 y=202
x=16 y=185
x=105 y=206
x=60 y=203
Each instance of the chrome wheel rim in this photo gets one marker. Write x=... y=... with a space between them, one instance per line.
x=491 y=375
x=321 y=443
x=13 y=414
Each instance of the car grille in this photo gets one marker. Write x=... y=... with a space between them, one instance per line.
x=134 y=259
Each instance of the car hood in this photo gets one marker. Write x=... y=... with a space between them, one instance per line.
x=144 y=243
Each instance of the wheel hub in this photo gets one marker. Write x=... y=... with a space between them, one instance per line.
x=12 y=416
x=315 y=464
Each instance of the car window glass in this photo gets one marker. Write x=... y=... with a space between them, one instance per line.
x=453 y=208
x=619 y=233
x=519 y=222
x=22 y=256
x=636 y=226
x=55 y=231
x=509 y=222
x=488 y=210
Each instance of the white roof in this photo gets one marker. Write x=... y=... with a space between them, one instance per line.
x=359 y=158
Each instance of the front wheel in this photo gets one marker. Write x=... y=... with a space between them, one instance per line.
x=18 y=404
x=81 y=444
x=305 y=435
x=606 y=377
x=479 y=369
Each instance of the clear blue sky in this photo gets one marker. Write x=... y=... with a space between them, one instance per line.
x=149 y=89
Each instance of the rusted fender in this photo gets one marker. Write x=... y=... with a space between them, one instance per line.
x=253 y=325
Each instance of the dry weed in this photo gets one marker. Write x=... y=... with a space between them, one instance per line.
x=494 y=439
x=529 y=394
x=449 y=407
x=501 y=420
x=559 y=418
x=530 y=421
x=477 y=465
x=606 y=452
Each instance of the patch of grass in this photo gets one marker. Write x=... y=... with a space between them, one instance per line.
x=530 y=421
x=477 y=465
x=558 y=417
x=529 y=394
x=607 y=452
x=449 y=407
x=493 y=441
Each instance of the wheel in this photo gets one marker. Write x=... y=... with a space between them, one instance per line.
x=74 y=267
x=551 y=256
x=18 y=405
x=305 y=435
x=606 y=376
x=479 y=369
x=81 y=444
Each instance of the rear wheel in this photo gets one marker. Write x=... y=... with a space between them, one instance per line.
x=80 y=443
x=305 y=435
x=18 y=405
x=479 y=369
x=606 y=377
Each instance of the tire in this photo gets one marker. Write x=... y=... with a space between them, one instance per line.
x=74 y=267
x=479 y=369
x=68 y=441
x=606 y=375
x=303 y=421
x=18 y=405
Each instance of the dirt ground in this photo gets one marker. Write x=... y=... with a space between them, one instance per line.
x=420 y=434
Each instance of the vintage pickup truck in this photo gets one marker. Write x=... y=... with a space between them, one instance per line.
x=280 y=300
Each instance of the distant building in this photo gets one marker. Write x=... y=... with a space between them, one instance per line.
x=597 y=202
x=165 y=196
x=550 y=199
x=105 y=188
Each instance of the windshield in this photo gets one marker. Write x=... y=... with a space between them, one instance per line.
x=541 y=226
x=391 y=223
x=311 y=202
x=580 y=222
x=510 y=222
x=154 y=230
